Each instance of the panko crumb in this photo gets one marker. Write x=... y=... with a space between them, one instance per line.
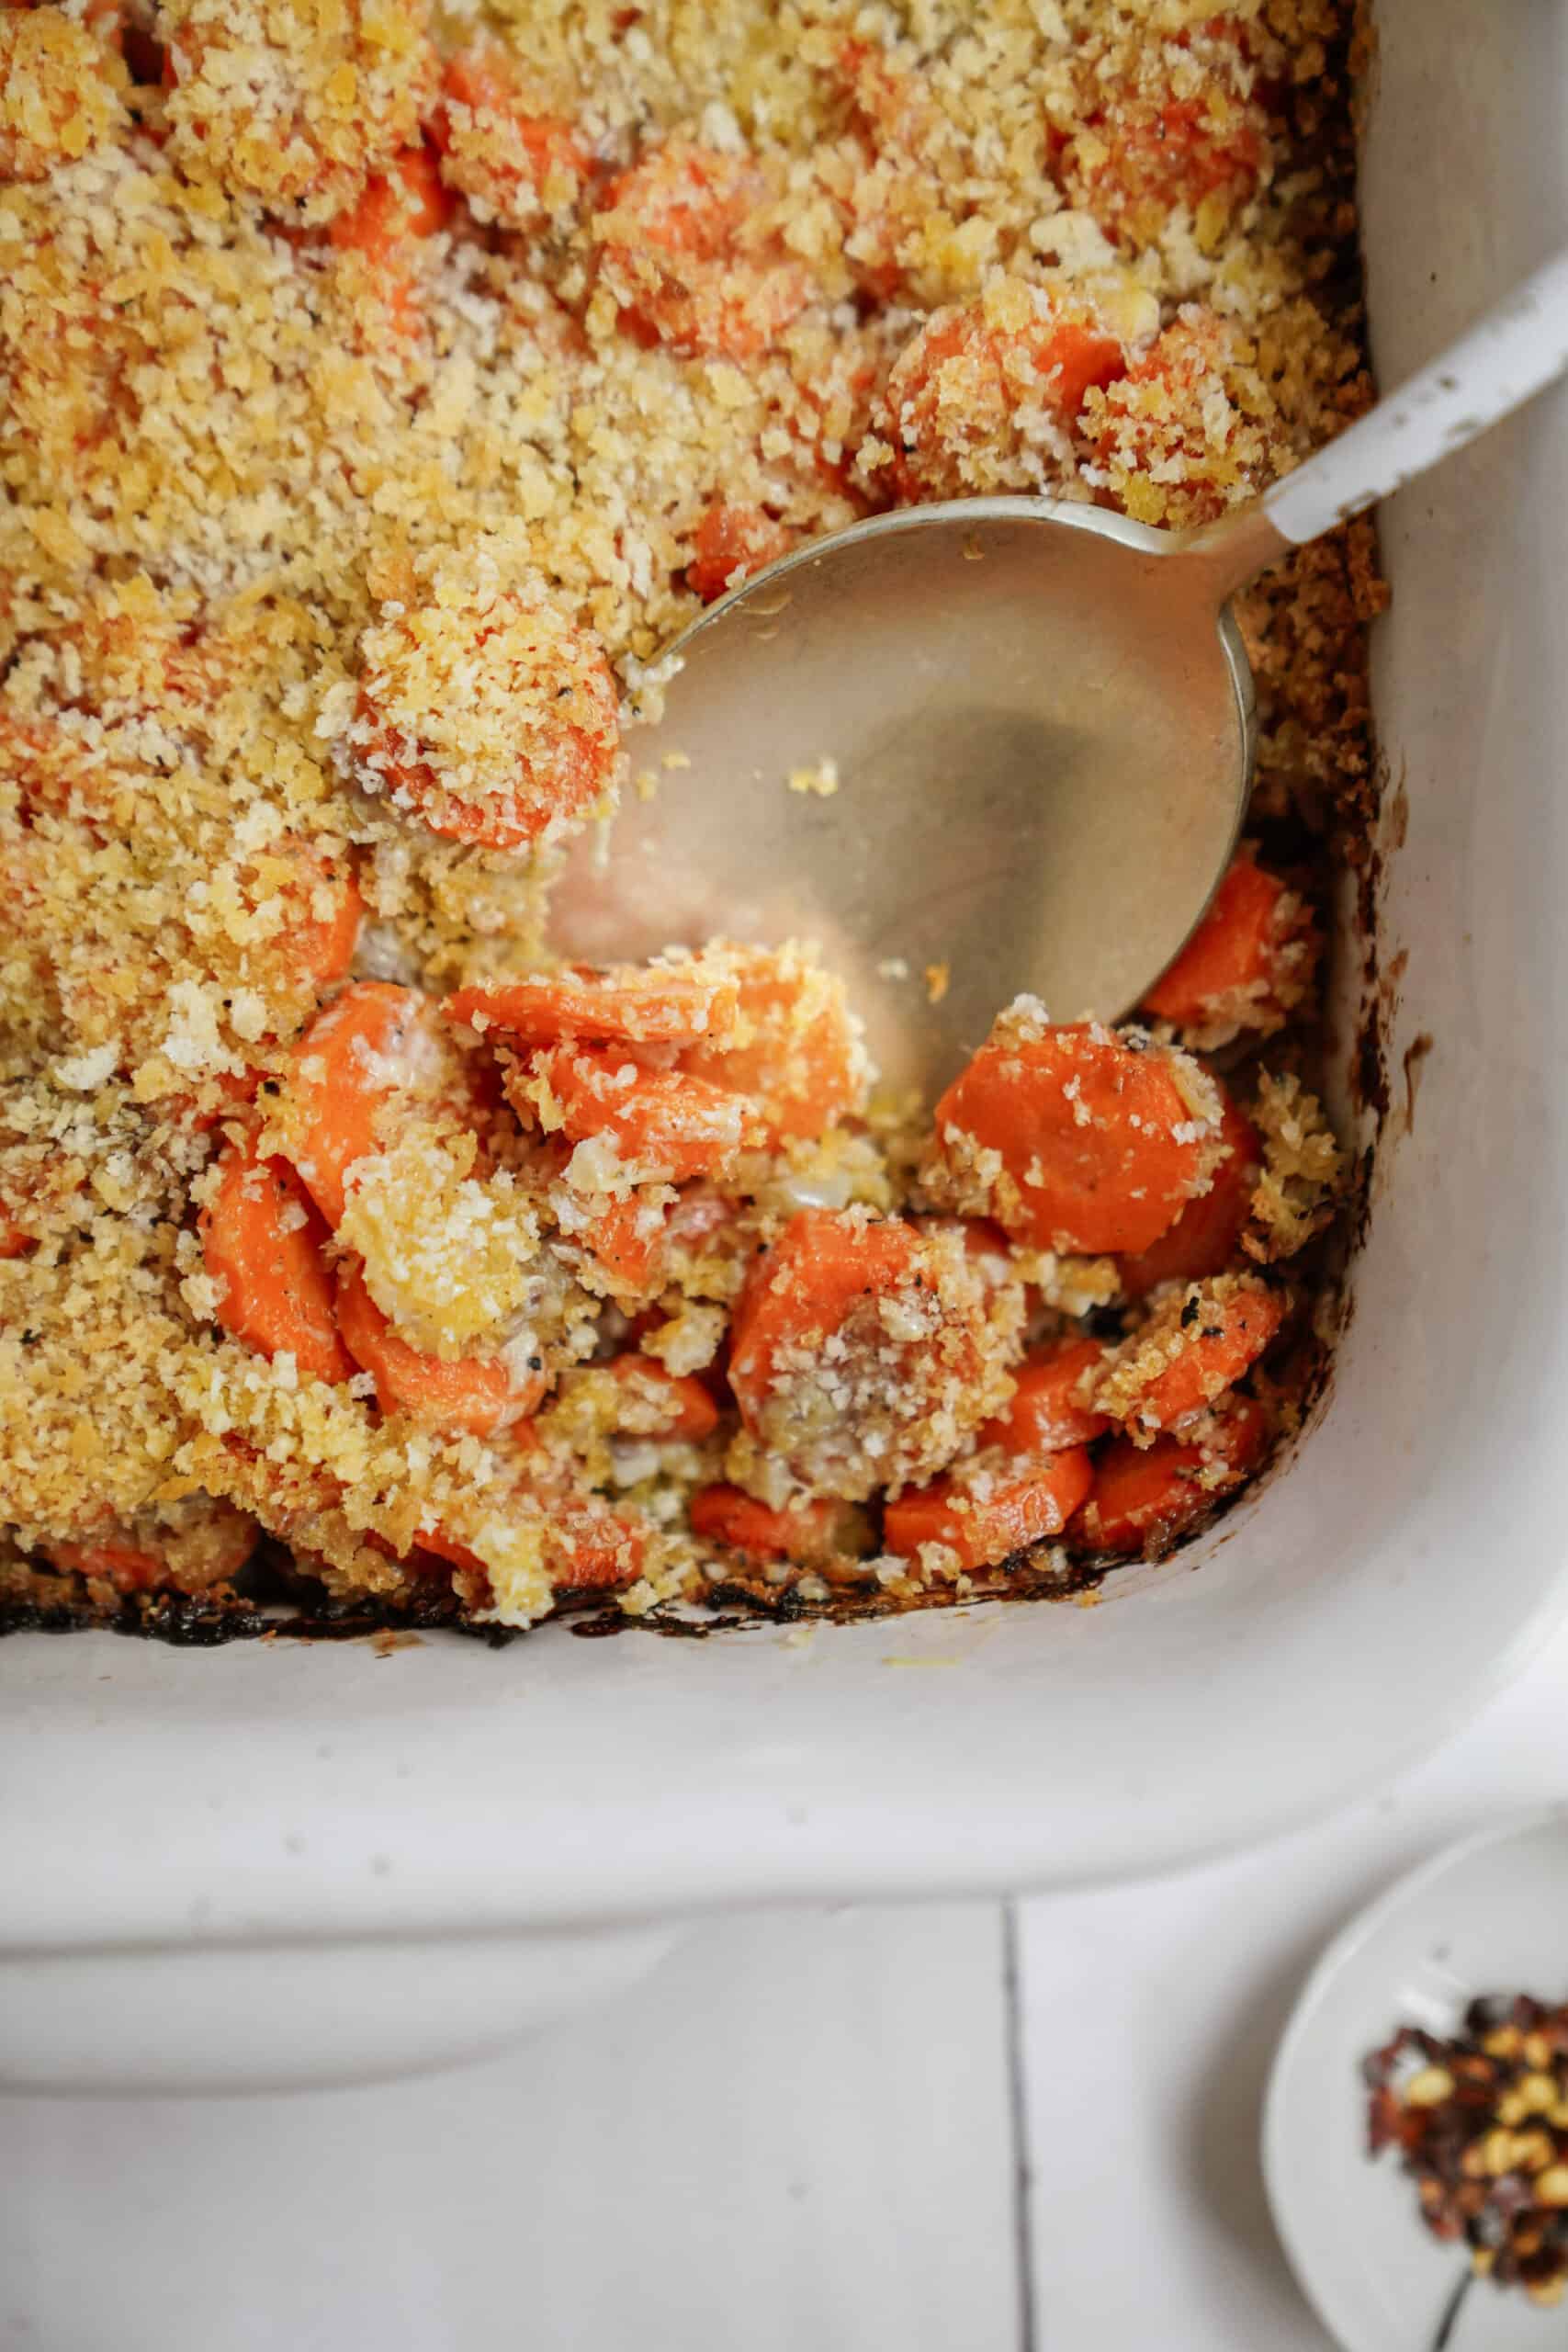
x=1304 y=1170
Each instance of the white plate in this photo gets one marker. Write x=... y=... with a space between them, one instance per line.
x=1487 y=1915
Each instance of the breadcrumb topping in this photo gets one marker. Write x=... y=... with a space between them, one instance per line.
x=381 y=390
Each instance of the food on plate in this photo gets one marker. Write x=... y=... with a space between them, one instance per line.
x=1480 y=2122
x=381 y=390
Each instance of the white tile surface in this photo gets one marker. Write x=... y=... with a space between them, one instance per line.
x=1149 y=2019
x=793 y=2137
x=796 y=2137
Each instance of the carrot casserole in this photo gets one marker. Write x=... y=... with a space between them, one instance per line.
x=384 y=385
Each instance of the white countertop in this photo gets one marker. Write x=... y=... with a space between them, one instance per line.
x=805 y=2133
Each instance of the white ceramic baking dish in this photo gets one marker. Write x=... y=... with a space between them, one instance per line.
x=289 y=1863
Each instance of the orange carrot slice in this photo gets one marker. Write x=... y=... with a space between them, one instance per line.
x=1233 y=959
x=664 y=1404
x=957 y=389
x=824 y=1263
x=732 y=542
x=1047 y=1411
x=638 y=1004
x=512 y=161
x=262 y=1240
x=806 y=1532
x=479 y=1394
x=1230 y=1324
x=349 y=1064
x=1205 y=1236
x=409 y=200
x=864 y=1351
x=1143 y=1496
x=122 y=1565
x=664 y=1122
x=794 y=1048
x=397 y=209
x=628 y=1246
x=598 y=1550
x=985 y=1528
x=493 y=720
x=225 y=1541
x=1146 y=150
x=682 y=252
x=1174 y=439
x=1098 y=1144
x=224 y=1094
x=324 y=933
x=592 y=1549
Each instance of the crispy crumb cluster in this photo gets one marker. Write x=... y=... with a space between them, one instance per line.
x=381 y=388
x=61 y=90
x=295 y=102
x=485 y=710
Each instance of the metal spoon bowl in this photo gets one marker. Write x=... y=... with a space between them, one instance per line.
x=998 y=746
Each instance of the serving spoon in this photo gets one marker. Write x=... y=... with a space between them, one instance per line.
x=995 y=745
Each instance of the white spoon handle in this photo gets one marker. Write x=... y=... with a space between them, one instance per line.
x=1504 y=360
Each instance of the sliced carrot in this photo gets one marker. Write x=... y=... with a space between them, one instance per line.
x=1098 y=1144
x=263 y=1241
x=1143 y=1496
x=513 y=160
x=493 y=720
x=664 y=1404
x=223 y=1094
x=1179 y=439
x=823 y=1265
x=664 y=1122
x=642 y=1004
x=985 y=1528
x=864 y=1351
x=408 y=200
x=1205 y=1236
x=479 y=1394
x=628 y=1245
x=1149 y=151
x=439 y=1544
x=732 y=542
x=810 y=1530
x=123 y=1565
x=1233 y=960
x=321 y=938
x=209 y=1549
x=399 y=207
x=681 y=252
x=638 y=1249
x=346 y=1068
x=1223 y=1329
x=794 y=1049
x=598 y=1550
x=1047 y=1411
x=590 y=1548
x=957 y=390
